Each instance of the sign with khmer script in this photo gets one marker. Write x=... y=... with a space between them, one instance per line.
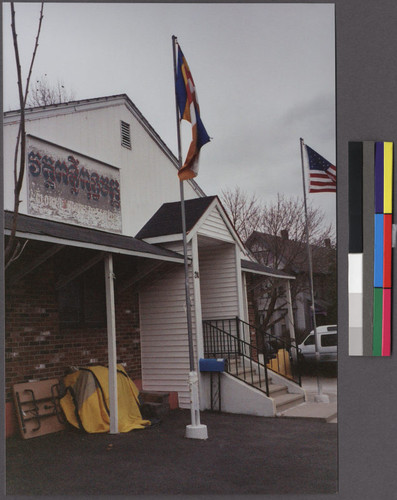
x=72 y=188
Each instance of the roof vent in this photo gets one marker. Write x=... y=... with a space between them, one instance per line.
x=125 y=135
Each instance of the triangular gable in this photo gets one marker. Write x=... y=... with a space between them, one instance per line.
x=204 y=216
x=215 y=223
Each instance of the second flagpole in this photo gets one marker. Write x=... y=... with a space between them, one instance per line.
x=195 y=430
x=319 y=397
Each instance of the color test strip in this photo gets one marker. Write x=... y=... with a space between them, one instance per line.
x=387 y=247
x=355 y=197
x=368 y=244
x=378 y=251
x=383 y=192
x=355 y=248
x=370 y=247
x=387 y=232
x=378 y=318
x=379 y=192
x=355 y=304
x=386 y=322
x=388 y=178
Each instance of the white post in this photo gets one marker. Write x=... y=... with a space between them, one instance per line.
x=112 y=355
x=239 y=282
x=290 y=316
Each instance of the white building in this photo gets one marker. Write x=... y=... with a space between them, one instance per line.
x=101 y=185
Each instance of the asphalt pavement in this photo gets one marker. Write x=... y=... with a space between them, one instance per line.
x=242 y=455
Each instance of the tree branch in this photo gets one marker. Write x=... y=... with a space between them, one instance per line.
x=21 y=137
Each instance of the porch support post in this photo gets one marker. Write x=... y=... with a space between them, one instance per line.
x=240 y=297
x=290 y=316
x=112 y=354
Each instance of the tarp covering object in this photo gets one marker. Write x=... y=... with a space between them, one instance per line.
x=86 y=402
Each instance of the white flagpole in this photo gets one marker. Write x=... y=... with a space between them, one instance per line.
x=195 y=430
x=320 y=397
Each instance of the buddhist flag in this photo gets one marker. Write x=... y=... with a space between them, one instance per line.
x=189 y=110
x=322 y=173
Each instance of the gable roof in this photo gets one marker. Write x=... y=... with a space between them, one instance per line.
x=293 y=253
x=39 y=112
x=257 y=268
x=68 y=234
x=168 y=218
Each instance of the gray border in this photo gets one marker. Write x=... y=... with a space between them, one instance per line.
x=366 y=41
x=366 y=111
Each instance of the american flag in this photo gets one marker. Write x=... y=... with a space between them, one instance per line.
x=322 y=173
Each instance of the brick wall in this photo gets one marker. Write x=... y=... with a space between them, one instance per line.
x=36 y=347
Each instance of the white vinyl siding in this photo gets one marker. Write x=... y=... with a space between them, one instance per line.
x=164 y=340
x=214 y=227
x=218 y=278
x=148 y=177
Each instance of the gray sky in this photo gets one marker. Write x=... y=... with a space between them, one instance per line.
x=265 y=76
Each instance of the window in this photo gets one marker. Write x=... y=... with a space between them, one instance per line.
x=82 y=302
x=329 y=340
x=309 y=340
x=125 y=135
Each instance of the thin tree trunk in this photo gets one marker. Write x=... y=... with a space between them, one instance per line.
x=11 y=246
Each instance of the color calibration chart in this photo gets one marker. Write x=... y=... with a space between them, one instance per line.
x=370 y=248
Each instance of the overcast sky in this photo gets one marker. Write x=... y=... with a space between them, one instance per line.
x=264 y=73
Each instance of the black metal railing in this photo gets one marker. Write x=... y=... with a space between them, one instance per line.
x=225 y=338
x=281 y=354
x=242 y=357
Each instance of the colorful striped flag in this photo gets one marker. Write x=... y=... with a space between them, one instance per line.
x=322 y=173
x=189 y=110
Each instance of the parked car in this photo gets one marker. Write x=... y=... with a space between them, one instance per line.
x=327 y=344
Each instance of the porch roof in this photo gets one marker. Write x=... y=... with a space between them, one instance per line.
x=168 y=218
x=257 y=268
x=68 y=234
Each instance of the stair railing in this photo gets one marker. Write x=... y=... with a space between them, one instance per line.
x=281 y=352
x=225 y=338
x=219 y=343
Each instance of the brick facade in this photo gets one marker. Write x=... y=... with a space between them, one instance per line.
x=37 y=348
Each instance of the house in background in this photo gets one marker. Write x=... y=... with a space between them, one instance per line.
x=100 y=214
x=290 y=255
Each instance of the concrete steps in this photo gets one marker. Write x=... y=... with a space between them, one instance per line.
x=279 y=392
x=287 y=401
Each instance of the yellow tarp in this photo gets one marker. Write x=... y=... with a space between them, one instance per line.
x=86 y=403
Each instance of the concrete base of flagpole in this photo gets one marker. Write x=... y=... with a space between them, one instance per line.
x=196 y=431
x=321 y=398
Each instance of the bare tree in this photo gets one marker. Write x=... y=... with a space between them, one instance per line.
x=12 y=247
x=43 y=93
x=281 y=244
x=243 y=210
x=275 y=232
x=284 y=224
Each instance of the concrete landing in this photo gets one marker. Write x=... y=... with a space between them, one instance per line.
x=326 y=412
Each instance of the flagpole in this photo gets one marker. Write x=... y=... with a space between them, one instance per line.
x=195 y=430
x=320 y=397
